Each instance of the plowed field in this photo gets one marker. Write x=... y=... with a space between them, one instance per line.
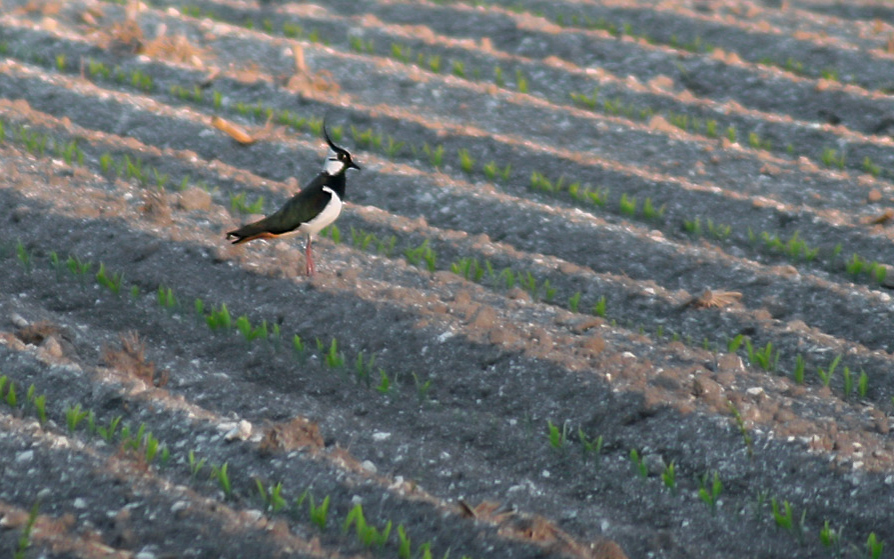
x=614 y=280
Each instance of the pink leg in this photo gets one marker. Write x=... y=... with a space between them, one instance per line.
x=308 y=258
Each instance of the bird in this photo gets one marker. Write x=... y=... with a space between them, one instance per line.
x=315 y=207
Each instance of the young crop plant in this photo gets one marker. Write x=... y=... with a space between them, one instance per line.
x=165 y=297
x=589 y=102
x=24 y=256
x=219 y=318
x=334 y=359
x=238 y=204
x=422 y=388
x=870 y=167
x=743 y=430
x=112 y=282
x=830 y=538
x=363 y=367
x=319 y=514
x=639 y=463
x=271 y=496
x=435 y=155
x=709 y=495
x=574 y=301
x=628 y=205
x=384 y=386
x=831 y=158
x=874 y=547
x=521 y=81
x=557 y=438
x=785 y=518
x=466 y=161
x=73 y=416
x=25 y=537
x=763 y=357
x=590 y=446
x=222 y=476
x=195 y=466
x=368 y=535
x=693 y=227
x=798 y=373
x=108 y=433
x=599 y=307
x=422 y=253
x=458 y=68
x=863 y=384
x=669 y=477
x=826 y=374
x=650 y=211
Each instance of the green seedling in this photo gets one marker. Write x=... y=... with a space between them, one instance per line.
x=219 y=318
x=108 y=433
x=435 y=156
x=783 y=517
x=298 y=344
x=292 y=30
x=165 y=297
x=827 y=374
x=628 y=205
x=499 y=80
x=195 y=466
x=25 y=538
x=521 y=81
x=422 y=253
x=650 y=211
x=361 y=239
x=319 y=514
x=599 y=307
x=798 y=374
x=422 y=388
x=151 y=447
x=591 y=446
x=392 y=149
x=24 y=256
x=466 y=162
x=830 y=538
x=223 y=478
x=367 y=534
x=734 y=344
x=238 y=204
x=584 y=100
x=334 y=359
x=669 y=477
x=40 y=405
x=709 y=495
x=740 y=423
x=111 y=282
x=386 y=246
x=363 y=367
x=863 y=384
x=384 y=385
x=638 y=463
x=831 y=158
x=458 y=68
x=848 y=382
x=874 y=547
x=731 y=134
x=404 y=548
x=574 y=301
x=557 y=438
x=763 y=358
x=73 y=416
x=11 y=399
x=271 y=496
x=693 y=227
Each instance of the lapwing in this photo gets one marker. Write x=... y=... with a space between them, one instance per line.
x=316 y=206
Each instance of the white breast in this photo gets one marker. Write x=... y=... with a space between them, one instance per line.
x=325 y=218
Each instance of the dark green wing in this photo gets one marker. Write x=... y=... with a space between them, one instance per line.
x=301 y=208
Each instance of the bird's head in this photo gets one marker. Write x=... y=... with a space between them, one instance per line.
x=338 y=160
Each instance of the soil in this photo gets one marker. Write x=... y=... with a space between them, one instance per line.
x=614 y=280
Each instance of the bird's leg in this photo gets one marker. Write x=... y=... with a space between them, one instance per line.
x=308 y=258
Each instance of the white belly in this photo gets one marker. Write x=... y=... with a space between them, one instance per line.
x=325 y=218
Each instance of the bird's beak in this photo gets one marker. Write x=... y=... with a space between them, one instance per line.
x=354 y=165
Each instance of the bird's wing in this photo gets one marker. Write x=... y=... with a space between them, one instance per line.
x=301 y=208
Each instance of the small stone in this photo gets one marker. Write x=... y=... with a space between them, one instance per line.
x=654 y=464
x=194 y=199
x=52 y=347
x=179 y=505
x=79 y=503
x=369 y=466
x=242 y=431
x=379 y=436
x=18 y=320
x=25 y=456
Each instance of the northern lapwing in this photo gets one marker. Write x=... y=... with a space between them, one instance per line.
x=315 y=207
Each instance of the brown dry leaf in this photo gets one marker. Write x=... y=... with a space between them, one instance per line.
x=880 y=219
x=155 y=206
x=300 y=64
x=37 y=332
x=234 y=130
x=175 y=49
x=298 y=433
x=715 y=299
x=124 y=38
x=131 y=359
x=309 y=82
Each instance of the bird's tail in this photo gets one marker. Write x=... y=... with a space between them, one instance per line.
x=249 y=232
